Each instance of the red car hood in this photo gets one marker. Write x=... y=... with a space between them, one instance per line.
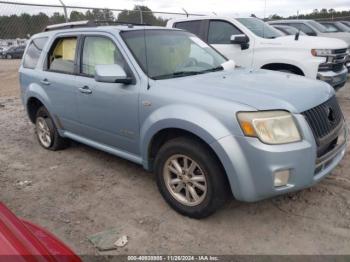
x=21 y=240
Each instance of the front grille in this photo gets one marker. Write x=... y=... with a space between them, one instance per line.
x=335 y=62
x=324 y=119
x=331 y=67
x=340 y=51
x=338 y=67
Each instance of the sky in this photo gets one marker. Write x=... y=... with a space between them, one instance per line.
x=220 y=7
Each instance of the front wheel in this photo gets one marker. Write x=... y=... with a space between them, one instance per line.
x=190 y=178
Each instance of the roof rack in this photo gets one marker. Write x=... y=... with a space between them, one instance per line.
x=89 y=23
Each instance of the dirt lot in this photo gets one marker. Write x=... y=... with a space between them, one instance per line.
x=81 y=191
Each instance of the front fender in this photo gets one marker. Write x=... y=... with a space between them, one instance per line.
x=194 y=120
x=306 y=63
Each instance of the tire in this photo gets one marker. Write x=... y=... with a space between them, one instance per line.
x=47 y=133
x=212 y=193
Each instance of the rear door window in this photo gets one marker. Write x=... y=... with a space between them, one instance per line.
x=220 y=32
x=62 y=55
x=194 y=27
x=33 y=53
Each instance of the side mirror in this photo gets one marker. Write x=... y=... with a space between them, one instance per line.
x=111 y=74
x=229 y=65
x=242 y=40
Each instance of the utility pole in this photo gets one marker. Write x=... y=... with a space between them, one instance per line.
x=65 y=10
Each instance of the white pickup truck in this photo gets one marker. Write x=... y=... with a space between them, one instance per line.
x=254 y=44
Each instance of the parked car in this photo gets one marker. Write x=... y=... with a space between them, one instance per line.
x=14 y=52
x=166 y=100
x=313 y=28
x=347 y=23
x=21 y=240
x=251 y=43
x=335 y=26
x=288 y=30
x=2 y=50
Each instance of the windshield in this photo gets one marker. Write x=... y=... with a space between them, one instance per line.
x=318 y=26
x=260 y=28
x=166 y=54
x=331 y=28
x=342 y=27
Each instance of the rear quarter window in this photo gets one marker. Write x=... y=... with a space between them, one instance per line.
x=33 y=53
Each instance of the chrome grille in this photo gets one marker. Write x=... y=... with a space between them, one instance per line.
x=340 y=51
x=335 y=62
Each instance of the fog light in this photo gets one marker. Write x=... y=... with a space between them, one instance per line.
x=281 y=178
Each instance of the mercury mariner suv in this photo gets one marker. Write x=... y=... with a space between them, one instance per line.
x=166 y=100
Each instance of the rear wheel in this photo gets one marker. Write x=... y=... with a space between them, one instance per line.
x=190 y=178
x=47 y=133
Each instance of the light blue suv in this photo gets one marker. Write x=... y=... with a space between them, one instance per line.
x=166 y=100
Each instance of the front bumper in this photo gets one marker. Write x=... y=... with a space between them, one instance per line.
x=335 y=79
x=251 y=165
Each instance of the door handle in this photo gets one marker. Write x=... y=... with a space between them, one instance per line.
x=45 y=82
x=85 y=90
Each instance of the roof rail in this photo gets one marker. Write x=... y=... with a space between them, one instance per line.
x=70 y=25
x=89 y=23
x=109 y=22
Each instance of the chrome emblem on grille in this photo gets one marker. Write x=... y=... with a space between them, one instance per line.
x=330 y=114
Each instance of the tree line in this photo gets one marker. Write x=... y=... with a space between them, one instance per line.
x=317 y=14
x=25 y=25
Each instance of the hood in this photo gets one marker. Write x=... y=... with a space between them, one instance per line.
x=312 y=42
x=340 y=35
x=260 y=89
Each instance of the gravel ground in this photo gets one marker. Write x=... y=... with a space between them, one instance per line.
x=81 y=191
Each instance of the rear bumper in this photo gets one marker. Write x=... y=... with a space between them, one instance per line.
x=251 y=165
x=335 y=79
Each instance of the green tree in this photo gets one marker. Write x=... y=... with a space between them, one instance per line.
x=100 y=15
x=134 y=16
x=76 y=16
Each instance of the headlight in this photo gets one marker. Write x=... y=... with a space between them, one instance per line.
x=271 y=127
x=321 y=52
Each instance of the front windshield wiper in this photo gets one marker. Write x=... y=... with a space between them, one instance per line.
x=188 y=73
x=215 y=69
x=177 y=74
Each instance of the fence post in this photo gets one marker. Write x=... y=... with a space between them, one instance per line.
x=141 y=15
x=65 y=10
x=185 y=11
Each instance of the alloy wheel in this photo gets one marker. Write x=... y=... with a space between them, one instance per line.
x=185 y=180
